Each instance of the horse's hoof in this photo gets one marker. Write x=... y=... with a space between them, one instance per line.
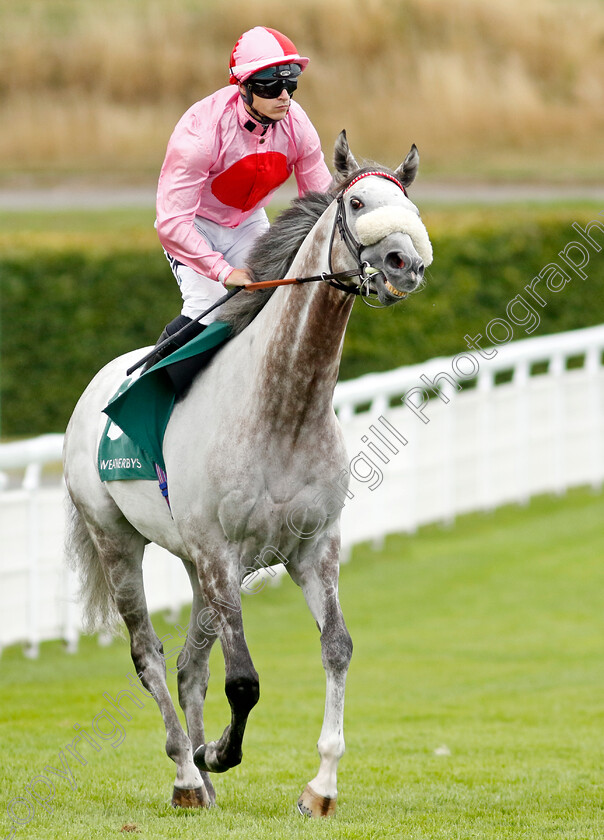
x=190 y=798
x=311 y=804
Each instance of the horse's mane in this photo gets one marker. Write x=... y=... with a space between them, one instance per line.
x=274 y=252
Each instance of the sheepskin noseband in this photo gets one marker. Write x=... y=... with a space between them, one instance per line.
x=376 y=224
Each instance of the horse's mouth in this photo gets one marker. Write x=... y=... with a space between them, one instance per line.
x=387 y=293
x=391 y=289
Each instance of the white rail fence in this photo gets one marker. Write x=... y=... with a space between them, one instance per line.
x=501 y=425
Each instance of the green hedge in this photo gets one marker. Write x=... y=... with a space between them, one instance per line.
x=65 y=313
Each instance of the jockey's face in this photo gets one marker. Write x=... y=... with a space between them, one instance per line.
x=274 y=109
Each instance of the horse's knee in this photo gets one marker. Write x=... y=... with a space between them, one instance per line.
x=242 y=693
x=336 y=648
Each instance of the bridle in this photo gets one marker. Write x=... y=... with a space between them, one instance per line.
x=364 y=270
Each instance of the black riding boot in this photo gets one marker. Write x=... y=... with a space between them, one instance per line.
x=181 y=373
x=171 y=329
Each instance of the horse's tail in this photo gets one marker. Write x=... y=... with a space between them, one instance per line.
x=98 y=607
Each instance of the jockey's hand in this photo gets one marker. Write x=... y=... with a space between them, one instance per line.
x=238 y=277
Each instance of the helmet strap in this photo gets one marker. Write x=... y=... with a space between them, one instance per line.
x=248 y=98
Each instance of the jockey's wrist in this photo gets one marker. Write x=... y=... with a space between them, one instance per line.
x=225 y=274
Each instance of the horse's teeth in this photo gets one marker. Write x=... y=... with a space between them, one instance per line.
x=394 y=291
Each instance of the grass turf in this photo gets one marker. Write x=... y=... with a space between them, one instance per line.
x=473 y=707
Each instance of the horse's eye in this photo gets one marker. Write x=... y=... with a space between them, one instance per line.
x=356 y=203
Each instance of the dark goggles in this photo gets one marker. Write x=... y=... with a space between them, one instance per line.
x=271 y=88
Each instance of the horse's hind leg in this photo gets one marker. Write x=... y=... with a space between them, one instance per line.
x=194 y=669
x=121 y=555
x=318 y=577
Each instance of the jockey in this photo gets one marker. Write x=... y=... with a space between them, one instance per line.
x=227 y=156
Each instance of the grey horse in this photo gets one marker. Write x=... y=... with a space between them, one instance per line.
x=256 y=466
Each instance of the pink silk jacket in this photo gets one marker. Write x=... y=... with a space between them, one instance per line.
x=222 y=165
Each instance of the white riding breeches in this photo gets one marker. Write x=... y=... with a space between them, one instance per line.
x=198 y=291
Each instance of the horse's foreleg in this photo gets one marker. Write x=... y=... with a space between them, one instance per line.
x=319 y=582
x=122 y=562
x=241 y=680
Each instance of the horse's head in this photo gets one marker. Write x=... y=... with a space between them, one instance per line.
x=380 y=225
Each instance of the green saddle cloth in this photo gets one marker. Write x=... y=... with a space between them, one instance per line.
x=141 y=409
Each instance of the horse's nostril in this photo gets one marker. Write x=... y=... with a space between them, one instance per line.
x=395 y=260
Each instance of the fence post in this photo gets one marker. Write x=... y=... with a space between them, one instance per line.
x=593 y=367
x=31 y=483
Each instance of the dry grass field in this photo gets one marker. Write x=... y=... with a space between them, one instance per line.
x=486 y=88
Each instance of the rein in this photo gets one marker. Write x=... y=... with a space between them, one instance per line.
x=334 y=278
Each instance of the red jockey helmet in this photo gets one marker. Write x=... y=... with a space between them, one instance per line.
x=259 y=48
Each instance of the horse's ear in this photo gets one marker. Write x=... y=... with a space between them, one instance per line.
x=408 y=169
x=343 y=158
